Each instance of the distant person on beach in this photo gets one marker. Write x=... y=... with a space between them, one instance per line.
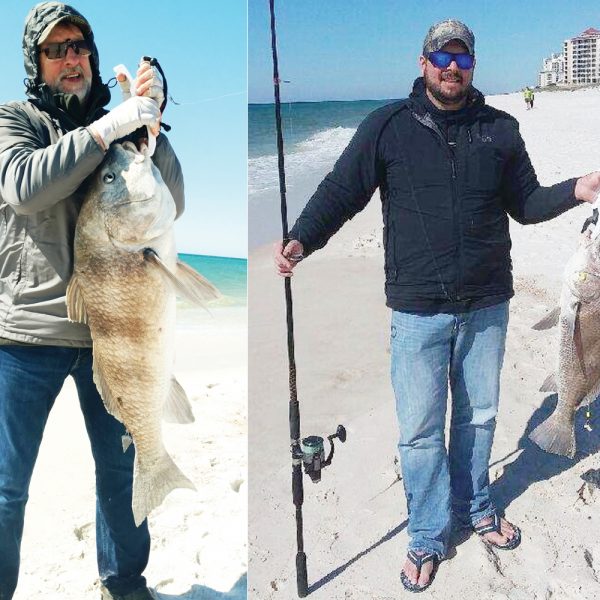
x=49 y=145
x=528 y=95
x=450 y=170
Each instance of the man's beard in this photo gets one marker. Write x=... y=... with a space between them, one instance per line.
x=82 y=91
x=435 y=89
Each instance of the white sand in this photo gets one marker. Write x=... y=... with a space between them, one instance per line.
x=355 y=519
x=198 y=538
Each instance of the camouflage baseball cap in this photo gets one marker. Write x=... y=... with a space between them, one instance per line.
x=445 y=31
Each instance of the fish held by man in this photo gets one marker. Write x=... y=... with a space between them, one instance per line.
x=123 y=286
x=577 y=377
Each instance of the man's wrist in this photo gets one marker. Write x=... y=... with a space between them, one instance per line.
x=97 y=138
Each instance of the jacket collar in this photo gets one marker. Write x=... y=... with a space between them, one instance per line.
x=422 y=105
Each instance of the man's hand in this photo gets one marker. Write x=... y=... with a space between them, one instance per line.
x=123 y=119
x=149 y=83
x=587 y=187
x=287 y=258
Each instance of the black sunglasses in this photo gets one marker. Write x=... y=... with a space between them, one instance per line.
x=58 y=50
x=442 y=60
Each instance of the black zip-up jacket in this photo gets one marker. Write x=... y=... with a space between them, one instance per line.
x=448 y=181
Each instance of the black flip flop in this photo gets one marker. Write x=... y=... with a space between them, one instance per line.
x=419 y=560
x=495 y=526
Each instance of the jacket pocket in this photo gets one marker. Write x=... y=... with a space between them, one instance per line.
x=484 y=169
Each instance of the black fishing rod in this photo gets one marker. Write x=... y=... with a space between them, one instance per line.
x=310 y=451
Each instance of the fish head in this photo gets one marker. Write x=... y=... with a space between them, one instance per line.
x=131 y=197
x=589 y=244
x=582 y=271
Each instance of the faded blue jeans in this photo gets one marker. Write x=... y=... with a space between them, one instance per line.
x=30 y=380
x=429 y=353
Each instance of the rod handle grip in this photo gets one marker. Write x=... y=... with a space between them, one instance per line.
x=297 y=486
x=301 y=575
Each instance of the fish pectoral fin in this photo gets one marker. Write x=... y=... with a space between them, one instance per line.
x=549 y=384
x=111 y=404
x=75 y=305
x=186 y=282
x=578 y=342
x=569 y=317
x=573 y=324
x=193 y=286
x=177 y=408
x=549 y=321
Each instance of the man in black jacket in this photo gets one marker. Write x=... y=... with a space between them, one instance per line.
x=450 y=169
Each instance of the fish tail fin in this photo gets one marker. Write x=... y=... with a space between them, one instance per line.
x=556 y=434
x=151 y=486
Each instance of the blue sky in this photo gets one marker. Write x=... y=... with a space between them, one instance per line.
x=366 y=49
x=201 y=46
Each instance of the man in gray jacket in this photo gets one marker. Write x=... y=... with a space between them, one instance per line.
x=49 y=145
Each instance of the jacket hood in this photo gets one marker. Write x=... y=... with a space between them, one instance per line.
x=475 y=98
x=40 y=18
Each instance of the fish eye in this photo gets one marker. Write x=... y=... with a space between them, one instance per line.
x=108 y=177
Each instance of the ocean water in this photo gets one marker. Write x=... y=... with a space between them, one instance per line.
x=315 y=134
x=229 y=275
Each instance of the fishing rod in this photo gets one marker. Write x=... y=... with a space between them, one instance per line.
x=309 y=451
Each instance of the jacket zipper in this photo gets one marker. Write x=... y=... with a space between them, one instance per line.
x=457 y=224
x=427 y=121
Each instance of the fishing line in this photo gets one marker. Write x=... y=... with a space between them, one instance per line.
x=310 y=450
x=203 y=100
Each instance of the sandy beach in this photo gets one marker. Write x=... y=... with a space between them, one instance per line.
x=355 y=519
x=198 y=538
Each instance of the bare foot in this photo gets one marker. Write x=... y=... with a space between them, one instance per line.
x=421 y=578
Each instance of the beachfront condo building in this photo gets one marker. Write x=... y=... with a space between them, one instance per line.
x=582 y=58
x=553 y=71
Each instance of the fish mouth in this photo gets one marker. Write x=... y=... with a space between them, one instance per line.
x=135 y=201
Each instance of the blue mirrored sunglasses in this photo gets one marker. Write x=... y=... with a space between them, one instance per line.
x=442 y=60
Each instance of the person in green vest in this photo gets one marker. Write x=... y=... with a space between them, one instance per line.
x=528 y=95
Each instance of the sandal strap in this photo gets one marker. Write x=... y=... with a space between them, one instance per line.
x=420 y=559
x=494 y=526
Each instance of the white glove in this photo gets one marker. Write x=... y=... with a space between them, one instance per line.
x=124 y=79
x=125 y=118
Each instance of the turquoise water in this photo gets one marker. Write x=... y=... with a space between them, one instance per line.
x=301 y=121
x=314 y=135
x=229 y=275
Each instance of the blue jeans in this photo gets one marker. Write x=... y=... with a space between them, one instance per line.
x=430 y=352
x=30 y=379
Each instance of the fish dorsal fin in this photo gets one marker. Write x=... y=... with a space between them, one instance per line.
x=75 y=305
x=111 y=404
x=186 y=282
x=550 y=320
x=177 y=408
x=549 y=384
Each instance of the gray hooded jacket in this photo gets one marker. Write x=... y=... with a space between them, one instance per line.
x=46 y=153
